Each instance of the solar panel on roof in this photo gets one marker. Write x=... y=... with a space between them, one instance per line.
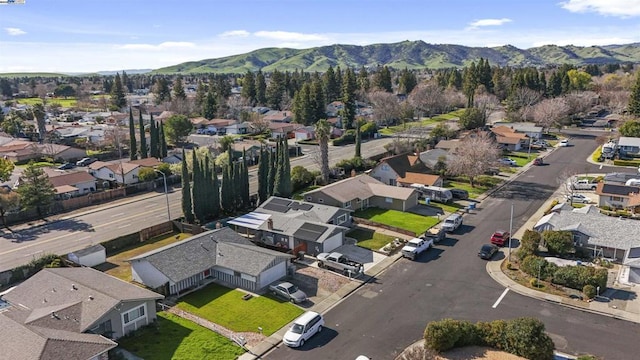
x=278 y=205
x=305 y=207
x=310 y=232
x=634 y=253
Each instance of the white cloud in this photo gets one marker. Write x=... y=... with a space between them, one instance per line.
x=161 y=46
x=489 y=22
x=14 y=31
x=289 y=36
x=620 y=8
x=234 y=33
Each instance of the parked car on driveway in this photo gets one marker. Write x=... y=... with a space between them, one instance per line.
x=460 y=194
x=507 y=162
x=288 y=291
x=563 y=143
x=500 y=238
x=66 y=166
x=86 y=161
x=578 y=198
x=487 y=251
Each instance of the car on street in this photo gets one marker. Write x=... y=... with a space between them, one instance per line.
x=500 y=237
x=460 y=194
x=86 y=161
x=303 y=328
x=538 y=162
x=507 y=162
x=487 y=251
x=578 y=198
x=563 y=143
x=66 y=166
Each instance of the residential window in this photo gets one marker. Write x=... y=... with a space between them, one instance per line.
x=616 y=198
x=392 y=182
x=388 y=200
x=342 y=219
x=347 y=204
x=133 y=315
x=111 y=176
x=385 y=167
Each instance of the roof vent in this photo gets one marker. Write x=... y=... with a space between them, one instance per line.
x=54 y=315
x=53 y=290
x=74 y=287
x=90 y=297
x=44 y=301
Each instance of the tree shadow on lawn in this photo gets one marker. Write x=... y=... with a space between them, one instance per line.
x=205 y=295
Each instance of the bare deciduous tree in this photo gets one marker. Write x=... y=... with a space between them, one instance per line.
x=385 y=107
x=116 y=137
x=235 y=104
x=258 y=122
x=615 y=100
x=427 y=98
x=486 y=103
x=522 y=100
x=580 y=102
x=453 y=99
x=550 y=112
x=474 y=156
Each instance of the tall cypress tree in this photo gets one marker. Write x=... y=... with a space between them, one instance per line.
x=215 y=192
x=634 y=97
x=263 y=176
x=197 y=190
x=358 y=138
x=187 y=206
x=244 y=190
x=237 y=185
x=143 y=138
x=163 y=141
x=279 y=187
x=133 y=148
x=226 y=192
x=153 y=140
x=272 y=169
x=287 y=187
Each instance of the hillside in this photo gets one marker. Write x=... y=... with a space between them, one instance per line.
x=406 y=54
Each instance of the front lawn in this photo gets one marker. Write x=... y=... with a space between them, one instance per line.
x=447 y=208
x=417 y=224
x=176 y=338
x=370 y=239
x=117 y=264
x=226 y=307
x=486 y=183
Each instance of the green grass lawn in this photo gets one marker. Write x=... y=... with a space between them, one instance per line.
x=423 y=122
x=177 y=338
x=370 y=239
x=298 y=194
x=488 y=182
x=448 y=208
x=70 y=102
x=225 y=306
x=417 y=224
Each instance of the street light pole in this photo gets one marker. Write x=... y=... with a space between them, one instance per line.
x=166 y=193
x=510 y=231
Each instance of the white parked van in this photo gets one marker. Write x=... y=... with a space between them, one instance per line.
x=304 y=327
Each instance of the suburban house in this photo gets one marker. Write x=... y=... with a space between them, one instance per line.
x=302 y=226
x=283 y=129
x=239 y=128
x=305 y=133
x=361 y=192
x=629 y=145
x=22 y=151
x=72 y=184
x=220 y=255
x=334 y=108
x=509 y=139
x=601 y=235
x=278 y=116
x=72 y=313
x=431 y=157
x=448 y=145
x=527 y=128
x=618 y=196
x=391 y=168
x=119 y=173
x=632 y=260
x=420 y=178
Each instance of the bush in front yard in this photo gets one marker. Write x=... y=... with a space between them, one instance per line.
x=576 y=277
x=558 y=242
x=447 y=334
x=528 y=244
x=536 y=266
x=589 y=291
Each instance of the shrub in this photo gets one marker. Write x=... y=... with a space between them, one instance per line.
x=442 y=335
x=626 y=162
x=528 y=244
x=589 y=291
x=301 y=177
x=576 y=277
x=349 y=137
x=535 y=283
x=553 y=203
x=605 y=207
x=558 y=242
x=526 y=337
x=355 y=163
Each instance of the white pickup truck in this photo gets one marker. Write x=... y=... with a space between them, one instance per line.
x=583 y=184
x=340 y=263
x=415 y=246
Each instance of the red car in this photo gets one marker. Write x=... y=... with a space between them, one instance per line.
x=500 y=238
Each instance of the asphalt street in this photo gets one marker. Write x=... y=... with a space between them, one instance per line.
x=383 y=317
x=87 y=227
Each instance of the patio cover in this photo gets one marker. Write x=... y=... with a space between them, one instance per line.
x=252 y=220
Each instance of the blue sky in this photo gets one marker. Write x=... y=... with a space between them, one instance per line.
x=90 y=35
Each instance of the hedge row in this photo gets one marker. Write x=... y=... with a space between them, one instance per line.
x=575 y=277
x=626 y=162
x=524 y=337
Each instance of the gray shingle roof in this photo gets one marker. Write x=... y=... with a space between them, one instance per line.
x=430 y=157
x=602 y=230
x=198 y=253
x=361 y=187
x=289 y=226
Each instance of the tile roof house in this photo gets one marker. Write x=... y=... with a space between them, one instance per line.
x=361 y=192
x=600 y=234
x=72 y=184
x=618 y=196
x=125 y=172
x=220 y=255
x=294 y=226
x=278 y=116
x=527 y=128
x=391 y=168
x=509 y=139
x=72 y=313
x=420 y=178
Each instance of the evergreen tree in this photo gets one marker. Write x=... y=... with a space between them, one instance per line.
x=330 y=85
x=359 y=124
x=244 y=188
x=554 y=86
x=143 y=138
x=382 y=79
x=118 y=98
x=275 y=90
x=215 y=192
x=301 y=106
x=323 y=129
x=261 y=89
x=272 y=169
x=263 y=176
x=469 y=83
x=237 y=185
x=634 y=97
x=178 y=89
x=286 y=185
x=363 y=80
x=127 y=85
x=201 y=95
x=278 y=182
x=198 y=190
x=35 y=190
x=227 y=190
x=407 y=81
x=187 y=206
x=348 y=111
x=153 y=140
x=133 y=148
x=317 y=102
x=249 y=87
x=163 y=141
x=161 y=90
x=210 y=108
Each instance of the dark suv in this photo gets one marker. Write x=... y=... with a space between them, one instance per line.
x=460 y=194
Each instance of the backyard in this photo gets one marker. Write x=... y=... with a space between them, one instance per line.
x=417 y=224
x=117 y=264
x=427 y=121
x=176 y=338
x=483 y=183
x=227 y=308
x=370 y=239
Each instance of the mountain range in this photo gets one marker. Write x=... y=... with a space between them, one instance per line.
x=406 y=54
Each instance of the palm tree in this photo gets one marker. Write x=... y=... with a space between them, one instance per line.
x=323 y=129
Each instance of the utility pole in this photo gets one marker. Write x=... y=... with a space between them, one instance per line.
x=510 y=231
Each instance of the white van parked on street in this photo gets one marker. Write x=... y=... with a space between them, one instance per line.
x=303 y=328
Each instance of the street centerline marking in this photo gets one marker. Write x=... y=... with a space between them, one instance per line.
x=495 y=305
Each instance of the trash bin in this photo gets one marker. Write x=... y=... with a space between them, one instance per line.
x=427 y=200
x=472 y=206
x=300 y=255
